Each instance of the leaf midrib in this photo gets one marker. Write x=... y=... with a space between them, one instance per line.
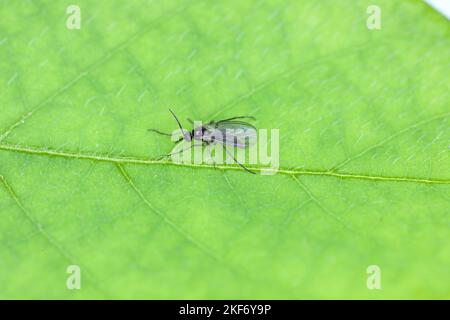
x=42 y=151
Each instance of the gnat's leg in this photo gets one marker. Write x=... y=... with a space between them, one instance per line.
x=174 y=153
x=159 y=132
x=190 y=120
x=240 y=164
x=206 y=144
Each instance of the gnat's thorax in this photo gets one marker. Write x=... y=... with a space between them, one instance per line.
x=197 y=133
x=205 y=134
x=201 y=134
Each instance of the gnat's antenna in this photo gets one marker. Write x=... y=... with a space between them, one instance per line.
x=179 y=124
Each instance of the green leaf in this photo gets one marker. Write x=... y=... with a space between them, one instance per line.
x=364 y=139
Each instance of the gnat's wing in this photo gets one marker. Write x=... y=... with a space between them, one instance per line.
x=233 y=124
x=234 y=119
x=236 y=133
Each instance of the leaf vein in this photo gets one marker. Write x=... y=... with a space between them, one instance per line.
x=321 y=206
x=82 y=74
x=389 y=138
x=49 y=239
x=168 y=221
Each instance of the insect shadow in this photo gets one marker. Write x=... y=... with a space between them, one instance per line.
x=227 y=132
